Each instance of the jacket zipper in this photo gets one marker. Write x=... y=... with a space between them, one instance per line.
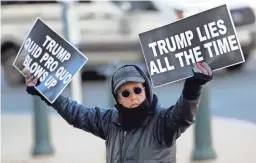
x=123 y=136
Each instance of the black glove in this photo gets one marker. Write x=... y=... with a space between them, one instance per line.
x=193 y=85
x=31 y=82
x=202 y=74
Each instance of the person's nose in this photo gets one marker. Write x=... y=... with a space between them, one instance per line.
x=133 y=96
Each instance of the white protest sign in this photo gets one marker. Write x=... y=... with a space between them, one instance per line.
x=171 y=50
x=50 y=58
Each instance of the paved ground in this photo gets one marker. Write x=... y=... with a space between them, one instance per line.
x=233 y=140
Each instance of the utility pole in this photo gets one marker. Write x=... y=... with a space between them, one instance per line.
x=71 y=34
x=203 y=149
x=42 y=145
x=112 y=67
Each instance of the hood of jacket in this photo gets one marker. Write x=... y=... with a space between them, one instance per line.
x=147 y=85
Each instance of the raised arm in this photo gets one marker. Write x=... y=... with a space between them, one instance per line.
x=94 y=120
x=176 y=119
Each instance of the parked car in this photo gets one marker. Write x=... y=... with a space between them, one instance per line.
x=108 y=30
x=243 y=15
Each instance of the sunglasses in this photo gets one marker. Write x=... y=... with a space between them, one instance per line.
x=127 y=93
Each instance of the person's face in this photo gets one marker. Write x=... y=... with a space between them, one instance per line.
x=131 y=94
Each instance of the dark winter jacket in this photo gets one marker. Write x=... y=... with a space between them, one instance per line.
x=153 y=142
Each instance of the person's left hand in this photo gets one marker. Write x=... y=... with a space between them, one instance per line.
x=202 y=73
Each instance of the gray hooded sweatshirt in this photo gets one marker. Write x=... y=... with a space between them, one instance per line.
x=152 y=142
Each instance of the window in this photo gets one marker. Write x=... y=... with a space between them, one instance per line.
x=26 y=2
x=85 y=1
x=138 y=5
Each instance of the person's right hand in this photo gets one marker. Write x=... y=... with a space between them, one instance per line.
x=31 y=82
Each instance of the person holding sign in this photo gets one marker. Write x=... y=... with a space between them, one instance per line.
x=138 y=128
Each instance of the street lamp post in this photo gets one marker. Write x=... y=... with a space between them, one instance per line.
x=42 y=145
x=71 y=34
x=112 y=67
x=203 y=149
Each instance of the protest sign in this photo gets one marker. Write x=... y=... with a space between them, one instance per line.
x=171 y=50
x=50 y=58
